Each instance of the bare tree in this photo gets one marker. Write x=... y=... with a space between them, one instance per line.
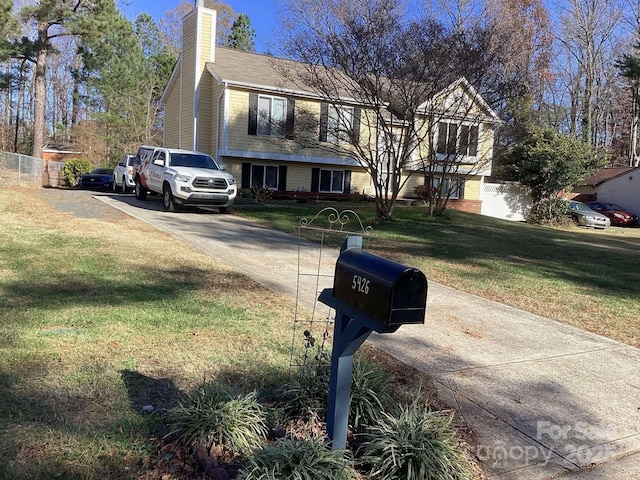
x=589 y=37
x=386 y=84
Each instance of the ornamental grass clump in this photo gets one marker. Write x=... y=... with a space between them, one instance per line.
x=416 y=444
x=370 y=394
x=214 y=417
x=307 y=459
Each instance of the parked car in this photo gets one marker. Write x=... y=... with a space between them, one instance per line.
x=617 y=214
x=123 y=174
x=97 y=179
x=586 y=217
x=184 y=178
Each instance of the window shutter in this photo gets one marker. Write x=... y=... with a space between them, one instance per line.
x=282 y=178
x=347 y=181
x=246 y=175
x=473 y=141
x=461 y=189
x=253 y=114
x=452 y=139
x=315 y=179
x=357 y=112
x=324 y=121
x=290 y=121
x=442 y=138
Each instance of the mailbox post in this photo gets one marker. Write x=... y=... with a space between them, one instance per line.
x=369 y=294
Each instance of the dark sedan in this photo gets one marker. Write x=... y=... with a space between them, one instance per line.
x=617 y=214
x=98 y=179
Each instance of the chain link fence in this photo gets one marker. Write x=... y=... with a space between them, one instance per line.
x=23 y=170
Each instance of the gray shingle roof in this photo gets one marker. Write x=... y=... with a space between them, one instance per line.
x=262 y=72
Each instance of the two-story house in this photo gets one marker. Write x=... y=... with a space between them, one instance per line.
x=238 y=107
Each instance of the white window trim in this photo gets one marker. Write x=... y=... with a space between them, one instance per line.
x=264 y=174
x=469 y=158
x=270 y=121
x=455 y=194
x=340 y=123
x=332 y=171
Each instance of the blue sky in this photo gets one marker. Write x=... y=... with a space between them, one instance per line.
x=262 y=14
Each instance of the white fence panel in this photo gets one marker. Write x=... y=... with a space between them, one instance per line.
x=504 y=200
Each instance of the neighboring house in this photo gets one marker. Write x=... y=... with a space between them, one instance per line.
x=240 y=108
x=619 y=185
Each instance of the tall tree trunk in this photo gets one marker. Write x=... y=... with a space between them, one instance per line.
x=634 y=160
x=40 y=92
x=75 y=98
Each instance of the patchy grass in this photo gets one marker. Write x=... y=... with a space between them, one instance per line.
x=585 y=278
x=99 y=318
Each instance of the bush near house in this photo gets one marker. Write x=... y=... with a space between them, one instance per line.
x=74 y=168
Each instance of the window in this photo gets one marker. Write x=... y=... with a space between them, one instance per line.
x=271 y=116
x=326 y=180
x=339 y=124
x=332 y=181
x=271 y=176
x=456 y=139
x=451 y=187
x=264 y=176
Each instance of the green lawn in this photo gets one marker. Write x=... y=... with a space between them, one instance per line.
x=97 y=320
x=100 y=318
x=586 y=278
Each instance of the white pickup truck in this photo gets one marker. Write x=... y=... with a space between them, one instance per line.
x=183 y=178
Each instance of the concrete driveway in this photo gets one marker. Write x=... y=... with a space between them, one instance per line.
x=546 y=400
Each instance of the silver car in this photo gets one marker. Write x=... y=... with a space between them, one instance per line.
x=586 y=217
x=123 y=174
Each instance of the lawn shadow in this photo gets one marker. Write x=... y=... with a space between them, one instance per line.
x=144 y=391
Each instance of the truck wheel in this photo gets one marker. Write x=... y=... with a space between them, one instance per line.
x=114 y=186
x=167 y=200
x=123 y=187
x=141 y=192
x=228 y=209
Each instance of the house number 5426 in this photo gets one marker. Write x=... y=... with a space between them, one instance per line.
x=360 y=284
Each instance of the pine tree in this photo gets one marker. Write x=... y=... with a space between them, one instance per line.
x=242 y=34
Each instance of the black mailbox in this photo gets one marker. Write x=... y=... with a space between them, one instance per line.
x=390 y=293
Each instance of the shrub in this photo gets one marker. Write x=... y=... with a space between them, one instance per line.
x=306 y=459
x=261 y=194
x=212 y=416
x=417 y=444
x=424 y=192
x=369 y=394
x=75 y=167
x=549 y=211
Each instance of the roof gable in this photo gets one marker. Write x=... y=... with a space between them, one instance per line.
x=606 y=174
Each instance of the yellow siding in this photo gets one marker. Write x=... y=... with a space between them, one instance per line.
x=206 y=43
x=213 y=122
x=239 y=138
x=188 y=80
x=299 y=177
x=206 y=118
x=409 y=187
x=172 y=115
x=472 y=189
